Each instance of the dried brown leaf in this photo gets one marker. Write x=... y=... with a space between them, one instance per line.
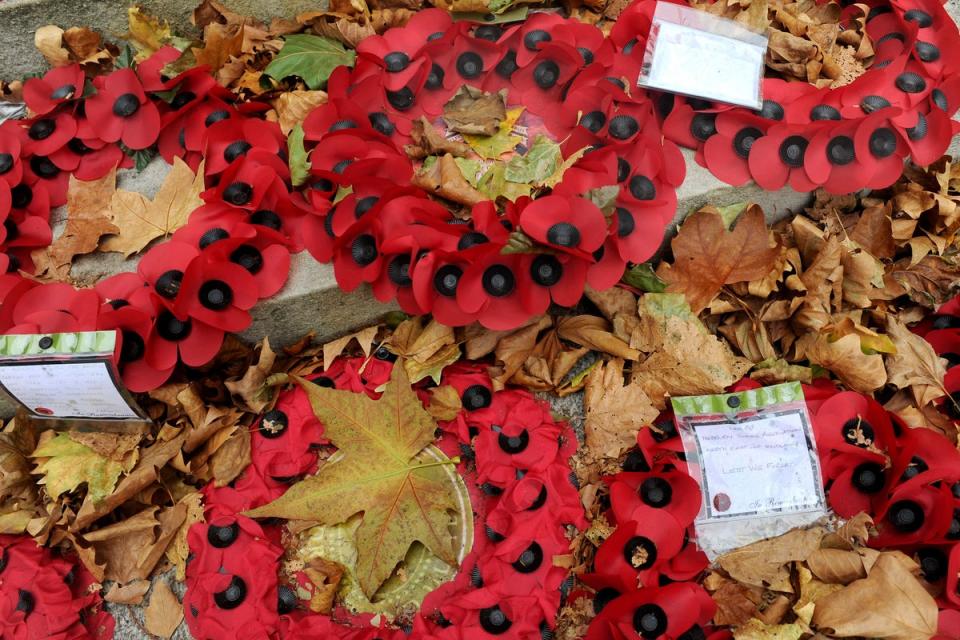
x=915 y=365
x=764 y=564
x=249 y=392
x=846 y=360
x=293 y=107
x=131 y=593
x=475 y=112
x=164 y=613
x=615 y=412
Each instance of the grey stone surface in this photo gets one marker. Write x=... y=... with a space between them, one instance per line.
x=20 y=18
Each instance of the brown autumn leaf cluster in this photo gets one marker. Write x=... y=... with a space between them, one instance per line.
x=806 y=39
x=350 y=21
x=834 y=288
x=828 y=583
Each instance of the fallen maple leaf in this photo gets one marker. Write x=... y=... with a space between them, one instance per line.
x=249 y=392
x=164 y=613
x=615 y=412
x=915 y=365
x=333 y=349
x=845 y=359
x=764 y=563
x=294 y=106
x=425 y=350
x=139 y=220
x=67 y=464
x=889 y=603
x=221 y=42
x=706 y=256
x=387 y=471
x=147 y=32
x=88 y=218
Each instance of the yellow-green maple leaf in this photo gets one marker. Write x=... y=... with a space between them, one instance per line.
x=504 y=140
x=70 y=464
x=382 y=470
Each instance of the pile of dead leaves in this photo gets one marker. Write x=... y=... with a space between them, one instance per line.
x=807 y=40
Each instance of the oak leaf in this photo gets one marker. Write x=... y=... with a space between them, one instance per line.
x=889 y=603
x=706 y=256
x=140 y=220
x=386 y=469
x=67 y=464
x=88 y=218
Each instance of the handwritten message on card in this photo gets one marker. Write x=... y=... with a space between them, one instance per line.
x=66 y=390
x=757 y=466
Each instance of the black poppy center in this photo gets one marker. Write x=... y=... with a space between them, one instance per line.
x=640 y=552
x=126 y=105
x=858 y=432
x=63 y=92
x=212 y=235
x=604 y=597
x=469 y=64
x=916 y=466
x=921 y=17
x=792 y=151
x=906 y=516
x=703 y=126
x=223 y=537
x=743 y=141
x=25 y=602
x=919 y=130
x=585 y=54
x=236 y=149
x=563 y=234
x=840 y=151
x=42 y=129
x=363 y=249
x=446 y=279
x=171 y=328
x=883 y=142
x=78 y=147
x=286 y=599
x=546 y=74
x=396 y=61
x=868 y=477
x=771 y=110
x=824 y=112
x=656 y=492
x=402 y=99
x=6 y=162
x=650 y=621
x=546 y=270
x=132 y=346
x=933 y=563
x=233 y=596
x=44 y=167
x=910 y=82
x=530 y=560
x=508 y=65
x=494 y=621
x=266 y=218
x=274 y=424
x=514 y=444
x=498 y=280
x=363 y=205
x=623 y=127
x=215 y=117
x=476 y=397
x=535 y=38
x=625 y=222
x=623 y=169
x=248 y=257
x=927 y=51
x=381 y=123
x=238 y=193
x=435 y=77
x=471 y=239
x=399 y=271
x=168 y=284
x=215 y=295
x=642 y=188
x=21 y=196
x=489 y=32
x=869 y=104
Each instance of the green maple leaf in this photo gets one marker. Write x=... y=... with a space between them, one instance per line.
x=312 y=58
x=297 y=156
x=386 y=469
x=71 y=464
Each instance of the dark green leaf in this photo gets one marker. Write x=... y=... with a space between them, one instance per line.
x=126 y=58
x=643 y=277
x=311 y=58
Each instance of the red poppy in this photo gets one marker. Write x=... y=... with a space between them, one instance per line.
x=133 y=327
x=726 y=154
x=186 y=136
x=120 y=110
x=567 y=223
x=489 y=288
x=635 y=496
x=284 y=436
x=540 y=81
x=399 y=51
x=248 y=180
x=914 y=514
x=608 y=266
x=232 y=138
x=12 y=140
x=638 y=552
x=436 y=281
x=57 y=86
x=150 y=71
x=854 y=424
x=55 y=308
x=534 y=34
x=928 y=134
x=88 y=158
x=48 y=134
x=665 y=612
x=216 y=292
x=856 y=482
x=776 y=159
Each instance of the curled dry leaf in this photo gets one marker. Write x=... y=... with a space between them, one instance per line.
x=325 y=576
x=444 y=178
x=765 y=563
x=889 y=603
x=294 y=106
x=249 y=391
x=131 y=593
x=593 y=332
x=333 y=349
x=445 y=403
x=426 y=349
x=164 y=613
x=914 y=365
x=49 y=42
x=475 y=112
x=846 y=360
x=427 y=141
x=615 y=412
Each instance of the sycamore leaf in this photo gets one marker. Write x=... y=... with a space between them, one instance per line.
x=537 y=164
x=766 y=563
x=140 y=220
x=494 y=184
x=164 y=613
x=502 y=141
x=914 y=365
x=333 y=349
x=88 y=218
x=297 y=156
x=426 y=350
x=615 y=412
x=706 y=256
x=311 y=58
x=385 y=469
x=220 y=43
x=593 y=332
x=889 y=603
x=69 y=464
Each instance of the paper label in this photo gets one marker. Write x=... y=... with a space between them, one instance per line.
x=757 y=466
x=66 y=390
x=698 y=63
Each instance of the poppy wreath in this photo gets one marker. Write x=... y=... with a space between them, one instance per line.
x=843 y=139
x=514 y=456
x=44 y=595
x=905 y=478
x=381 y=230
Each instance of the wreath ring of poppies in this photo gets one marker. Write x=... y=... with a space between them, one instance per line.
x=358 y=209
x=514 y=457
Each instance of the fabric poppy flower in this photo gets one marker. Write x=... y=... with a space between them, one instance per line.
x=558 y=278
x=133 y=327
x=856 y=483
x=541 y=81
x=635 y=496
x=853 y=423
x=777 y=158
x=284 y=436
x=49 y=133
x=398 y=51
x=689 y=126
x=12 y=140
x=656 y=612
x=40 y=171
x=56 y=87
x=534 y=34
x=915 y=514
x=216 y=292
x=608 y=266
x=186 y=136
x=253 y=488
x=483 y=613
x=637 y=552
x=946 y=343
x=121 y=111
x=727 y=153
x=568 y=224
x=489 y=288
x=436 y=281
x=88 y=159
x=232 y=138
x=248 y=180
x=55 y=308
